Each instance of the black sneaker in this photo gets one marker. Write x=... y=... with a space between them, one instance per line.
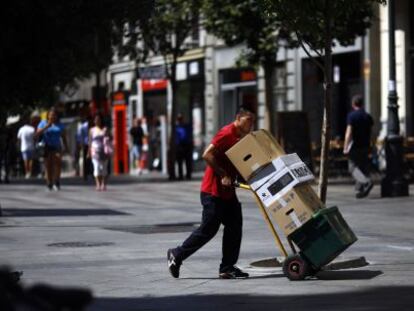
x=233 y=273
x=173 y=264
x=359 y=195
x=57 y=186
x=368 y=187
x=365 y=190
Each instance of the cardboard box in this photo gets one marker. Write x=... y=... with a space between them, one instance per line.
x=282 y=181
x=254 y=151
x=295 y=208
x=272 y=175
x=296 y=167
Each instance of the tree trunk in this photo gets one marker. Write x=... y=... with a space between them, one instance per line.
x=98 y=91
x=172 y=145
x=97 y=94
x=326 y=127
x=269 y=68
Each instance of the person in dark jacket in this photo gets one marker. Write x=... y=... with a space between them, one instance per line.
x=5 y=149
x=184 y=148
x=357 y=146
x=137 y=137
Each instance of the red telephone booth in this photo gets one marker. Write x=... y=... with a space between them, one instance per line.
x=120 y=132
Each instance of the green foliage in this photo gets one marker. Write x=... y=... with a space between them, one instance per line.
x=310 y=20
x=47 y=45
x=165 y=31
x=161 y=33
x=246 y=22
x=317 y=23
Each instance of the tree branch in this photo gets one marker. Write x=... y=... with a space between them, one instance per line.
x=314 y=60
x=301 y=41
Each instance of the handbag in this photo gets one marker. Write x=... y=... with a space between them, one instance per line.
x=40 y=149
x=108 y=147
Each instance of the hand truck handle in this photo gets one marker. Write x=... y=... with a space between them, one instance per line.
x=237 y=184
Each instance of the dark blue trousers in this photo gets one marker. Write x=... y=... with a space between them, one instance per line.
x=216 y=211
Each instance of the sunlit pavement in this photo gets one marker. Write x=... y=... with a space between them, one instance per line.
x=115 y=243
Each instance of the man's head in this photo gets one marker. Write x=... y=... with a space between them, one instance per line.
x=137 y=122
x=357 y=101
x=244 y=120
x=180 y=119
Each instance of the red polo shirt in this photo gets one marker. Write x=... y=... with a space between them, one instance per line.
x=224 y=140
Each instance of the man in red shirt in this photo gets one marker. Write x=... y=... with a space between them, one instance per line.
x=220 y=203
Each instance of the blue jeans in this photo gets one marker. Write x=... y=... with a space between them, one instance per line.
x=216 y=211
x=136 y=151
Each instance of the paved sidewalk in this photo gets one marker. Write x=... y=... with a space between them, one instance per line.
x=115 y=243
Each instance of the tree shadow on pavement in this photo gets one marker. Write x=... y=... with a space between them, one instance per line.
x=252 y=277
x=348 y=275
x=333 y=275
x=58 y=212
x=113 y=180
x=374 y=299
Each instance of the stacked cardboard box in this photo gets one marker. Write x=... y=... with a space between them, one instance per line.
x=280 y=181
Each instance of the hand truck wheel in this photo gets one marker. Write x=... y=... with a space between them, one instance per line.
x=296 y=268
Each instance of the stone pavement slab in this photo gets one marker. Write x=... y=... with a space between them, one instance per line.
x=115 y=244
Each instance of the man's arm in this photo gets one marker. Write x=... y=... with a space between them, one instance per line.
x=89 y=154
x=209 y=156
x=65 y=141
x=348 y=139
x=19 y=141
x=42 y=129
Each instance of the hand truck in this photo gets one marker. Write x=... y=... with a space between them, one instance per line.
x=320 y=240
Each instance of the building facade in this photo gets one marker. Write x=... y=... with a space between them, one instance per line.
x=211 y=87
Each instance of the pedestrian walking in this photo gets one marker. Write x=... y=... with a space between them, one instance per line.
x=357 y=146
x=52 y=133
x=153 y=140
x=184 y=148
x=219 y=201
x=82 y=136
x=99 y=152
x=137 y=137
x=37 y=165
x=25 y=137
x=5 y=149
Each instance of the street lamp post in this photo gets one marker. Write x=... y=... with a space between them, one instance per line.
x=394 y=183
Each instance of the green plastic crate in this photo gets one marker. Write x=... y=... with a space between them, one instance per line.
x=324 y=237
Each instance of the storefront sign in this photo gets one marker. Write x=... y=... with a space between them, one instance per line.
x=153 y=85
x=153 y=72
x=238 y=75
x=247 y=75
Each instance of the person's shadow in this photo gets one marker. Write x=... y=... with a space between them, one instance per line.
x=321 y=275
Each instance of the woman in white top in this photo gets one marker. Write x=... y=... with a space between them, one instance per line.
x=25 y=136
x=97 y=135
